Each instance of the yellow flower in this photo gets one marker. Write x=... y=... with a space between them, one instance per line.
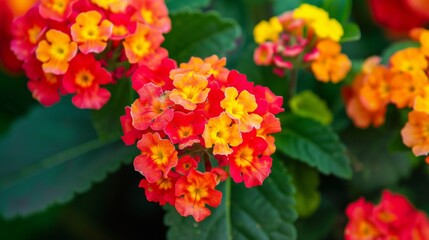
x=267 y=31
x=329 y=28
x=310 y=13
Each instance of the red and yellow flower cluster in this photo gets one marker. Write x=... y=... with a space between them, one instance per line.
x=404 y=83
x=305 y=36
x=77 y=46
x=393 y=218
x=194 y=123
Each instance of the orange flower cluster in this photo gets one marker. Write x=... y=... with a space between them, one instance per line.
x=305 y=36
x=393 y=218
x=76 y=46
x=195 y=122
x=404 y=83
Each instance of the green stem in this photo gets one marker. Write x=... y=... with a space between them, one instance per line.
x=228 y=208
x=293 y=78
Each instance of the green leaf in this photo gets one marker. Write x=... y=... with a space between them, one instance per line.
x=106 y=120
x=313 y=143
x=338 y=9
x=200 y=34
x=281 y=6
x=374 y=164
x=392 y=49
x=264 y=212
x=306 y=181
x=309 y=105
x=51 y=154
x=177 y=5
x=351 y=32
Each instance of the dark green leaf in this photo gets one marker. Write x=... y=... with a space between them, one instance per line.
x=351 y=32
x=281 y=6
x=264 y=212
x=315 y=144
x=309 y=105
x=306 y=181
x=392 y=49
x=375 y=166
x=338 y=9
x=51 y=154
x=106 y=120
x=177 y=5
x=200 y=34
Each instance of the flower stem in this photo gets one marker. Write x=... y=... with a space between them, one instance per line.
x=293 y=77
x=228 y=208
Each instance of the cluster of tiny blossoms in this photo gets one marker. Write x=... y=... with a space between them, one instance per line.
x=305 y=36
x=393 y=218
x=76 y=46
x=195 y=125
x=403 y=82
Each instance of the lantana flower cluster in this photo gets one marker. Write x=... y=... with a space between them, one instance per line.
x=303 y=37
x=393 y=218
x=403 y=82
x=78 y=46
x=195 y=125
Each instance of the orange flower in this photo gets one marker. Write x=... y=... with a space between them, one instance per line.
x=356 y=110
x=415 y=134
x=331 y=65
x=152 y=13
x=421 y=103
x=57 y=10
x=360 y=225
x=209 y=66
x=190 y=90
x=89 y=33
x=194 y=191
x=269 y=125
x=406 y=86
x=375 y=91
x=115 y=6
x=143 y=44
x=247 y=162
x=222 y=133
x=158 y=156
x=408 y=60
x=240 y=107
x=56 y=51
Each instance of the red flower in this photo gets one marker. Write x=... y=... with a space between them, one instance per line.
x=131 y=134
x=84 y=77
x=194 y=191
x=395 y=15
x=360 y=225
x=152 y=109
x=159 y=76
x=161 y=191
x=157 y=157
x=247 y=162
x=43 y=86
x=185 y=129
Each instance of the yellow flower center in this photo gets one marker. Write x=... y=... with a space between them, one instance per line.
x=90 y=32
x=59 y=6
x=140 y=47
x=147 y=16
x=120 y=30
x=185 y=131
x=84 y=78
x=51 y=78
x=33 y=34
x=59 y=51
x=165 y=184
x=158 y=155
x=197 y=193
x=245 y=157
